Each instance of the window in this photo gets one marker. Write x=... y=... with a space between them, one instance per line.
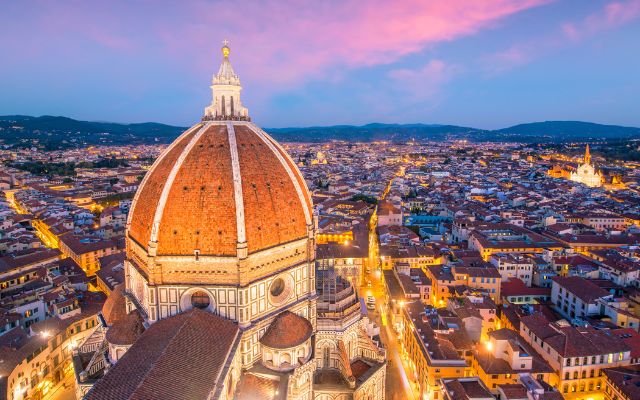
x=200 y=300
x=277 y=287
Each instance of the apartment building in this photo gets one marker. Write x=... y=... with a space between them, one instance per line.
x=578 y=355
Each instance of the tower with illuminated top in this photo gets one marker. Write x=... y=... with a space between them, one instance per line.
x=225 y=88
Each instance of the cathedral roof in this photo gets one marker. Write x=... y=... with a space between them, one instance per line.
x=252 y=387
x=220 y=184
x=287 y=330
x=115 y=306
x=126 y=330
x=181 y=357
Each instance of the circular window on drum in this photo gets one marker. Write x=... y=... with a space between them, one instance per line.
x=200 y=299
x=280 y=289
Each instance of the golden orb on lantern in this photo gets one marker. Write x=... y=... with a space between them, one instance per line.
x=225 y=48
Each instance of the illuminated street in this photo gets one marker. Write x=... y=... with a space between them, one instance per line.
x=397 y=385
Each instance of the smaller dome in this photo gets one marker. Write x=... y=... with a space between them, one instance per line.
x=125 y=331
x=287 y=330
x=115 y=307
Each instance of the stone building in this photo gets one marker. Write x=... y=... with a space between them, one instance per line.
x=220 y=299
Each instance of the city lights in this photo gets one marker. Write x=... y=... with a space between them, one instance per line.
x=397 y=200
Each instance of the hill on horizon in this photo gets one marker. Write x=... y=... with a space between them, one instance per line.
x=55 y=132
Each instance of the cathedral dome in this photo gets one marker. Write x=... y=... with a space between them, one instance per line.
x=217 y=186
x=224 y=188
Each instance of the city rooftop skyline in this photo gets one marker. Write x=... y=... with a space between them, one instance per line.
x=484 y=64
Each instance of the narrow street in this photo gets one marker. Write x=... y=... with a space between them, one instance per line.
x=397 y=383
x=398 y=386
x=64 y=390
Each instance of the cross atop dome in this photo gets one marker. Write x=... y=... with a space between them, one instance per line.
x=225 y=87
x=225 y=48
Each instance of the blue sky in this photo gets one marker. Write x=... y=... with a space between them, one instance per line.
x=486 y=64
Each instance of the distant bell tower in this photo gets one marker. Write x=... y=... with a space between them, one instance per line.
x=587 y=156
x=225 y=88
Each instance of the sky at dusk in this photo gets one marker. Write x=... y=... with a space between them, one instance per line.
x=479 y=63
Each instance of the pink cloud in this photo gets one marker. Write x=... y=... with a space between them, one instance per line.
x=281 y=41
x=298 y=39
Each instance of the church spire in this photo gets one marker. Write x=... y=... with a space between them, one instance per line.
x=587 y=155
x=225 y=88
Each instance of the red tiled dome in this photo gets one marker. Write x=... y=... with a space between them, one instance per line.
x=115 y=307
x=218 y=182
x=287 y=330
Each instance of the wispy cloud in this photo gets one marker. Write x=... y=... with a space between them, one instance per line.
x=292 y=40
x=307 y=39
x=611 y=16
x=424 y=82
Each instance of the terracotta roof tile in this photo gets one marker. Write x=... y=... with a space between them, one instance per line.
x=273 y=212
x=181 y=357
x=148 y=194
x=253 y=387
x=126 y=330
x=200 y=211
x=115 y=307
x=287 y=330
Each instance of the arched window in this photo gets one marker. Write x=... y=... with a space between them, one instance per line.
x=223 y=106
x=231 y=106
x=200 y=299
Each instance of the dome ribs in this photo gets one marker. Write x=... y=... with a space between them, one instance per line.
x=267 y=206
x=147 y=198
x=191 y=193
x=295 y=173
x=201 y=213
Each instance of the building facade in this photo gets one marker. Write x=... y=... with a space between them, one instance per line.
x=586 y=172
